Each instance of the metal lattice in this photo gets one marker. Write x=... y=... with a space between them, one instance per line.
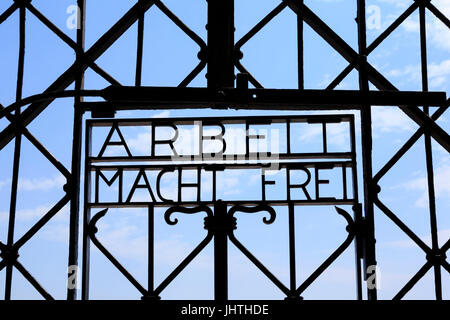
x=222 y=55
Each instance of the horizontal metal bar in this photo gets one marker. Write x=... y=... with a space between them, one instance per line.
x=123 y=98
x=206 y=121
x=103 y=205
x=227 y=159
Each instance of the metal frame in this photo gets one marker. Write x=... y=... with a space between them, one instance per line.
x=220 y=220
x=221 y=55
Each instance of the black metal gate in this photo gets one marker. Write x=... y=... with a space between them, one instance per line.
x=221 y=55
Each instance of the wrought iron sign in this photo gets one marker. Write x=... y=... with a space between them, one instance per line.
x=232 y=146
x=197 y=153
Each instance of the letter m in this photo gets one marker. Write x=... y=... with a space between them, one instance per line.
x=99 y=174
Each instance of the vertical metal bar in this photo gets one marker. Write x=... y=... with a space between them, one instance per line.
x=356 y=211
x=140 y=49
x=220 y=255
x=366 y=137
x=429 y=155
x=87 y=213
x=74 y=184
x=17 y=151
x=220 y=44
x=292 y=261
x=344 y=182
x=288 y=136
x=151 y=249
x=300 y=51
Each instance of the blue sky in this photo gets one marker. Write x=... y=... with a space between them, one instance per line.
x=169 y=55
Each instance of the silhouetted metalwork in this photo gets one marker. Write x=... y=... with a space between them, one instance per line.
x=221 y=55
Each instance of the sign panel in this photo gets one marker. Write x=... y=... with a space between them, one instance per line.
x=248 y=160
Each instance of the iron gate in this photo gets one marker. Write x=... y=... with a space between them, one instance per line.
x=221 y=55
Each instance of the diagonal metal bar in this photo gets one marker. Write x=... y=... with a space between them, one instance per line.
x=348 y=53
x=411 y=283
x=259 y=265
x=26 y=133
x=46 y=218
x=341 y=76
x=344 y=245
x=251 y=78
x=47 y=154
x=69 y=42
x=64 y=37
x=402 y=226
x=446 y=266
x=92 y=235
x=191 y=34
x=392 y=27
x=32 y=280
x=105 y=75
x=414 y=138
x=183 y=264
x=446 y=246
x=97 y=49
x=194 y=253
x=438 y=13
x=8 y=12
x=261 y=24
x=191 y=76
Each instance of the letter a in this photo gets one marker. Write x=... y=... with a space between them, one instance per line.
x=108 y=141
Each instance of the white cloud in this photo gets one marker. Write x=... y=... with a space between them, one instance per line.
x=397 y=3
x=43 y=184
x=127 y=242
x=33 y=213
x=142 y=143
x=441 y=183
x=124 y=242
x=438 y=74
x=390 y=119
x=437 y=32
x=337 y=134
x=57 y=232
x=37 y=184
x=163 y=114
x=443 y=236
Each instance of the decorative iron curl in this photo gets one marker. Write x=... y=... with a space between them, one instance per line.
x=351 y=228
x=185 y=210
x=258 y=208
x=92 y=228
